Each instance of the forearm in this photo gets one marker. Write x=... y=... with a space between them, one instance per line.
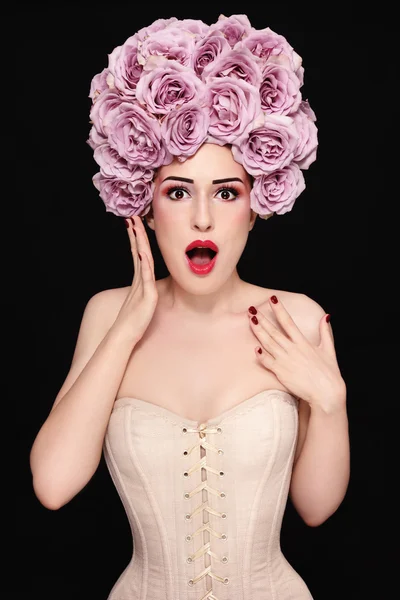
x=321 y=474
x=68 y=447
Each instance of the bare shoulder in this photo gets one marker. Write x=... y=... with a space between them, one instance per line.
x=109 y=302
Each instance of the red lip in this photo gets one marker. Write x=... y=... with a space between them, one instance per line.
x=204 y=243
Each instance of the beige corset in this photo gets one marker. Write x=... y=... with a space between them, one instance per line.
x=205 y=501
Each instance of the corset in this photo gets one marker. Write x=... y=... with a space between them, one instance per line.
x=205 y=501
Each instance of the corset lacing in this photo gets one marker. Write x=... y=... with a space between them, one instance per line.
x=202 y=430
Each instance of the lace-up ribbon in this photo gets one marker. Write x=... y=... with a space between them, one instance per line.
x=202 y=430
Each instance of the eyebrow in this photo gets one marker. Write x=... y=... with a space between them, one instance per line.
x=192 y=180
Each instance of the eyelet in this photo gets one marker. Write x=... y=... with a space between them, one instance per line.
x=221 y=473
x=219 y=430
x=226 y=581
x=222 y=495
x=189 y=559
x=186 y=495
x=185 y=453
x=184 y=430
x=188 y=538
x=220 y=451
x=224 y=536
x=190 y=582
x=188 y=517
x=186 y=474
x=224 y=559
x=223 y=516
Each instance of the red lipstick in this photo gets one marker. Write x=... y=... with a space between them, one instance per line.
x=205 y=267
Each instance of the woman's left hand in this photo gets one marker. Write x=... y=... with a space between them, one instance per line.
x=309 y=372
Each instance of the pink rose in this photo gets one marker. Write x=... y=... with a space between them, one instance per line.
x=172 y=42
x=157 y=25
x=268 y=147
x=195 y=26
x=235 y=28
x=207 y=50
x=112 y=165
x=234 y=107
x=136 y=136
x=306 y=151
x=98 y=84
x=265 y=43
x=276 y=192
x=169 y=86
x=102 y=113
x=185 y=130
x=280 y=90
x=125 y=198
x=239 y=64
x=124 y=67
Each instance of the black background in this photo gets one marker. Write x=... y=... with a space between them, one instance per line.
x=326 y=247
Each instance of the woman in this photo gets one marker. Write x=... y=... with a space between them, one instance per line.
x=212 y=398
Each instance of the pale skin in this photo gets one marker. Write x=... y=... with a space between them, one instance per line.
x=301 y=357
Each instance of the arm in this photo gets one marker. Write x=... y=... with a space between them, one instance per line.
x=67 y=449
x=322 y=466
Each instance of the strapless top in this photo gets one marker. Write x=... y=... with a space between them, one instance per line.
x=205 y=501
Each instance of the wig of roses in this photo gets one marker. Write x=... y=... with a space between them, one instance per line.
x=177 y=84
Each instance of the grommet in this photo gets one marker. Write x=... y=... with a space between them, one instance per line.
x=222 y=495
x=186 y=474
x=188 y=517
x=224 y=536
x=185 y=453
x=223 y=516
x=224 y=559
x=226 y=581
x=221 y=473
x=190 y=582
x=189 y=559
x=188 y=538
x=219 y=430
x=220 y=451
x=184 y=430
x=186 y=495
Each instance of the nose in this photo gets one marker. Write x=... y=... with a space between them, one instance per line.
x=202 y=216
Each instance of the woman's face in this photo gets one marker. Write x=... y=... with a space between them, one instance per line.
x=202 y=207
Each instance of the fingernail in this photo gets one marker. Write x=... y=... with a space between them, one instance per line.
x=252 y=310
x=328 y=318
x=126 y=223
x=274 y=299
x=139 y=256
x=255 y=320
x=259 y=350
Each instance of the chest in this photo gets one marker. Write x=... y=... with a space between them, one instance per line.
x=196 y=372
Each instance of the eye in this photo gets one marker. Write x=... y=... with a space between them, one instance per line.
x=179 y=191
x=228 y=190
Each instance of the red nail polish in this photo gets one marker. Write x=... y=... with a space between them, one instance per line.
x=139 y=256
x=328 y=318
x=126 y=223
x=255 y=320
x=252 y=310
x=274 y=299
x=259 y=350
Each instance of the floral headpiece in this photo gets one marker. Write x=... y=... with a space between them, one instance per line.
x=180 y=83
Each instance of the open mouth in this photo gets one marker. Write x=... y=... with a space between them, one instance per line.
x=201 y=256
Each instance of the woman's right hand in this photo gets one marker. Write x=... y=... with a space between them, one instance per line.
x=139 y=305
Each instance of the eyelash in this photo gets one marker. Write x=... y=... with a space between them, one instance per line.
x=175 y=188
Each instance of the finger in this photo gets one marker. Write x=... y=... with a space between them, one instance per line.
x=142 y=239
x=147 y=273
x=134 y=248
x=285 y=320
x=262 y=329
